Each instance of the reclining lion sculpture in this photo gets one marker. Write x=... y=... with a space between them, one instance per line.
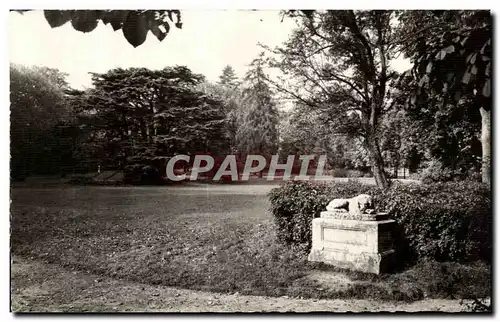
x=362 y=204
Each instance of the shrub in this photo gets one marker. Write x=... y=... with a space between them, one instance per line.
x=441 y=221
x=435 y=171
x=349 y=173
x=339 y=173
x=355 y=174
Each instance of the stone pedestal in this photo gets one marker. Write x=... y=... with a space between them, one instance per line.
x=360 y=243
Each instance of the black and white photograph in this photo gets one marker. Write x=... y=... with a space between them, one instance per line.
x=250 y=160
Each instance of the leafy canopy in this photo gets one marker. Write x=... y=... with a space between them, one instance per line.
x=134 y=24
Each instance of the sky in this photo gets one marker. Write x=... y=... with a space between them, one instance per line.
x=208 y=41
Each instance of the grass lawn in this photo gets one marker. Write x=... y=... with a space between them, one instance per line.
x=206 y=237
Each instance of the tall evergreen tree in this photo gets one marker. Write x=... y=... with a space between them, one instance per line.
x=228 y=77
x=258 y=126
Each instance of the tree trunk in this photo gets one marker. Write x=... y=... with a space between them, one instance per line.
x=377 y=163
x=486 y=145
x=379 y=174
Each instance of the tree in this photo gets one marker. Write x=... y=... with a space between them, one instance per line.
x=340 y=65
x=452 y=56
x=304 y=131
x=257 y=130
x=228 y=77
x=38 y=107
x=233 y=107
x=135 y=24
x=141 y=117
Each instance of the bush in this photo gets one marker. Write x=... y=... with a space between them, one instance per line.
x=349 y=173
x=435 y=171
x=444 y=222
x=339 y=173
x=355 y=174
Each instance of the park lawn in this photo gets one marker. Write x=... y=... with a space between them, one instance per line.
x=216 y=238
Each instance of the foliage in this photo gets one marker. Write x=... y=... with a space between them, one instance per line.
x=451 y=53
x=228 y=78
x=437 y=221
x=451 y=134
x=340 y=64
x=232 y=105
x=435 y=171
x=446 y=222
x=135 y=24
x=303 y=131
x=257 y=131
x=138 y=117
x=42 y=134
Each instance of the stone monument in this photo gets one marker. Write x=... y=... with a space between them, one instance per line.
x=349 y=234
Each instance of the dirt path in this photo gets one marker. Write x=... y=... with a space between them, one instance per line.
x=37 y=286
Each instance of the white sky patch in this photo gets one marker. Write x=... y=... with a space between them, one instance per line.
x=208 y=41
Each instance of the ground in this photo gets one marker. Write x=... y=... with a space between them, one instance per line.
x=91 y=248
x=39 y=287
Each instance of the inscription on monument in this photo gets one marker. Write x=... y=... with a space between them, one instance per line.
x=351 y=236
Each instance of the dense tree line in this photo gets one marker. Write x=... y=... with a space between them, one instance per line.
x=336 y=67
x=135 y=119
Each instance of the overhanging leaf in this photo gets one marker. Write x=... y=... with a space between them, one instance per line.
x=57 y=18
x=473 y=70
x=155 y=29
x=483 y=48
x=84 y=20
x=428 y=70
x=466 y=77
x=117 y=18
x=424 y=80
x=471 y=58
x=413 y=99
x=441 y=55
x=487 y=88
x=449 y=49
x=135 y=29
x=485 y=58
x=487 y=70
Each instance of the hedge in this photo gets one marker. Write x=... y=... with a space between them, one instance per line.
x=445 y=222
